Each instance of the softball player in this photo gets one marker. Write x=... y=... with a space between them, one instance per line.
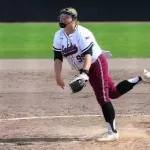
x=79 y=46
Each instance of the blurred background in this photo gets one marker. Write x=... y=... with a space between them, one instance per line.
x=28 y=26
x=89 y=10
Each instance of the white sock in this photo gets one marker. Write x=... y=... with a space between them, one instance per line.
x=134 y=80
x=109 y=126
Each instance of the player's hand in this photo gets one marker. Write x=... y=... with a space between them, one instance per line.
x=84 y=77
x=60 y=82
x=81 y=76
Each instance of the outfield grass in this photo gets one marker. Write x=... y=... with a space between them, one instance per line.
x=34 y=40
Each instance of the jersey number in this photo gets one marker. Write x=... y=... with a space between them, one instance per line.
x=80 y=58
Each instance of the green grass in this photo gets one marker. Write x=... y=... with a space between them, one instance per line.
x=34 y=40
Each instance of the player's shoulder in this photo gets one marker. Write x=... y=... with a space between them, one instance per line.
x=83 y=30
x=58 y=33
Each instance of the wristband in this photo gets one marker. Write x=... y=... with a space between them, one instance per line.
x=84 y=71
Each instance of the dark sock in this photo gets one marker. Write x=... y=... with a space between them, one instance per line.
x=126 y=85
x=109 y=115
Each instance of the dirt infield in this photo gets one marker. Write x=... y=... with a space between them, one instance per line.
x=36 y=114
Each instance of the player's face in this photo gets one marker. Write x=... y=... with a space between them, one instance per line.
x=64 y=18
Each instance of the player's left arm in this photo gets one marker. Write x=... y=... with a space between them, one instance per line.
x=87 y=59
x=86 y=45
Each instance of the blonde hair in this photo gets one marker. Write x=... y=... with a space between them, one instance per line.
x=77 y=22
x=72 y=11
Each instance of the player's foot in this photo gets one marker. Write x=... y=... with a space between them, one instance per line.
x=108 y=136
x=145 y=76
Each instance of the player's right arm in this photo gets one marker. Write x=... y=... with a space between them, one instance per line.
x=58 y=59
x=58 y=68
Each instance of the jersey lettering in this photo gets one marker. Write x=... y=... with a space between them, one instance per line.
x=75 y=45
x=80 y=58
x=70 y=50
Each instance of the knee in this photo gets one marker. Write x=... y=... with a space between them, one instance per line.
x=103 y=101
x=114 y=95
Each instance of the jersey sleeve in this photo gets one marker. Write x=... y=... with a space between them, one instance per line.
x=56 y=43
x=85 y=42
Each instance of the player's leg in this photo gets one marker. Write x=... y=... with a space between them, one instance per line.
x=98 y=78
x=125 y=86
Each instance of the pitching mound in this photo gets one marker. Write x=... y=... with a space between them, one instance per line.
x=35 y=114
